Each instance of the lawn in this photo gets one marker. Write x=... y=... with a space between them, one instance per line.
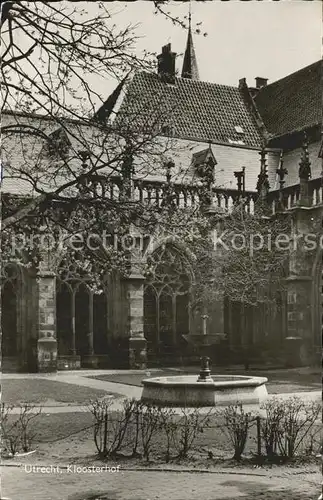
x=46 y=391
x=279 y=381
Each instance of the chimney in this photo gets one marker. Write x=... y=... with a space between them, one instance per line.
x=261 y=82
x=242 y=83
x=166 y=64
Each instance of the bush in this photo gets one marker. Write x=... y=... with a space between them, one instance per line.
x=149 y=423
x=169 y=426
x=138 y=427
x=271 y=426
x=289 y=425
x=112 y=431
x=189 y=426
x=236 y=424
x=17 y=434
x=131 y=428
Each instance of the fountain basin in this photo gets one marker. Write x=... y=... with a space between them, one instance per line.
x=221 y=390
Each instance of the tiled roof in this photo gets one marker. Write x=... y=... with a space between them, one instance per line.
x=196 y=110
x=292 y=103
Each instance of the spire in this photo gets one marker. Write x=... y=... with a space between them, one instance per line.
x=305 y=164
x=263 y=183
x=190 y=69
x=304 y=174
x=281 y=172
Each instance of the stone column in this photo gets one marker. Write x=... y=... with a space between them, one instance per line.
x=90 y=360
x=73 y=324
x=137 y=341
x=215 y=311
x=90 y=334
x=134 y=297
x=299 y=319
x=46 y=344
x=299 y=283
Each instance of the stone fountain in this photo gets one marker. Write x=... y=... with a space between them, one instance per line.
x=204 y=390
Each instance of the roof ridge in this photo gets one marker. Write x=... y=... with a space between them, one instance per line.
x=197 y=82
x=301 y=70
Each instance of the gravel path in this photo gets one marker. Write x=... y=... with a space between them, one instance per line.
x=18 y=483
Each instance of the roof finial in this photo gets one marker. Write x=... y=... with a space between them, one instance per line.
x=189 y=15
x=305 y=164
x=263 y=183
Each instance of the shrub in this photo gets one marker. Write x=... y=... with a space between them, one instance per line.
x=271 y=426
x=135 y=428
x=149 y=424
x=189 y=426
x=27 y=414
x=100 y=411
x=288 y=425
x=236 y=424
x=16 y=430
x=132 y=428
x=112 y=429
x=169 y=426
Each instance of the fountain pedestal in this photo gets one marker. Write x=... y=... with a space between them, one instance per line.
x=205 y=372
x=203 y=343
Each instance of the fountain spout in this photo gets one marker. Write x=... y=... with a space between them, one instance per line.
x=204 y=318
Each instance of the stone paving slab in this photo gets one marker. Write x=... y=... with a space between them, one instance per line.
x=18 y=484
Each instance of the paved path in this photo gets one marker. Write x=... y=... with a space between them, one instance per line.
x=19 y=483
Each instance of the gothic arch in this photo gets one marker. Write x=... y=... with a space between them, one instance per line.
x=13 y=311
x=170 y=241
x=167 y=300
x=81 y=316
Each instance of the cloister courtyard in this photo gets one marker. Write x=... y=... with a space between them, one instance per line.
x=64 y=464
x=161 y=209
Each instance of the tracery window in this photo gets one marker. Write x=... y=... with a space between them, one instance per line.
x=11 y=279
x=82 y=312
x=166 y=301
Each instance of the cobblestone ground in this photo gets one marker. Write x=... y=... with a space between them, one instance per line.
x=19 y=484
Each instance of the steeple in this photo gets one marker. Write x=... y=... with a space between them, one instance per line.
x=190 y=69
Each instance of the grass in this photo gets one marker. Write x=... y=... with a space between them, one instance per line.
x=54 y=427
x=41 y=391
x=279 y=381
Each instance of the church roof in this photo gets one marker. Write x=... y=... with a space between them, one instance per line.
x=293 y=103
x=196 y=110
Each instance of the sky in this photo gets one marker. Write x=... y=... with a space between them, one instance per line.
x=245 y=39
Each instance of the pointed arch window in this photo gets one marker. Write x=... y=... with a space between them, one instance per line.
x=166 y=301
